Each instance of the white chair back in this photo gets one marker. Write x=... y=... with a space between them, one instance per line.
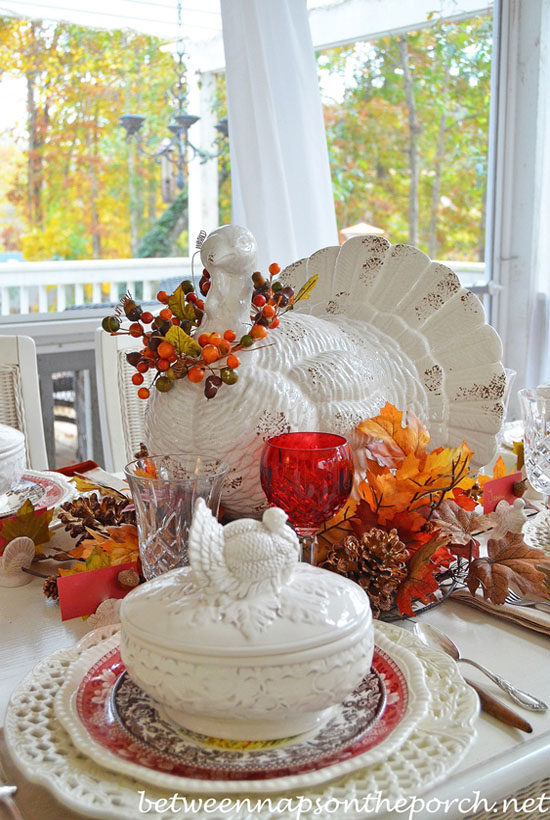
x=121 y=411
x=20 y=405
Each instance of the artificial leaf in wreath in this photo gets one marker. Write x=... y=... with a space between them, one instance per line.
x=459 y=524
x=85 y=485
x=420 y=582
x=510 y=563
x=307 y=289
x=120 y=545
x=35 y=524
x=389 y=442
x=183 y=342
x=178 y=305
x=333 y=531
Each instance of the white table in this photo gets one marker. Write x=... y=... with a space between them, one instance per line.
x=501 y=762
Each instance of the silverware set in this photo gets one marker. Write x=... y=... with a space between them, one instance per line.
x=430 y=636
x=515 y=600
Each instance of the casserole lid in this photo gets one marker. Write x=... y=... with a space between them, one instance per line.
x=315 y=607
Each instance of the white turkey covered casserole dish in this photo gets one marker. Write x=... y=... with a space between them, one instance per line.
x=247 y=643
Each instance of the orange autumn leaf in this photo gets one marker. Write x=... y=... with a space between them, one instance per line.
x=420 y=583
x=388 y=441
x=121 y=544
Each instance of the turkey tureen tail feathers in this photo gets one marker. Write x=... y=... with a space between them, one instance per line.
x=206 y=547
x=438 y=326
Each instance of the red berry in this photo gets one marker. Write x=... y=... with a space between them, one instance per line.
x=233 y=361
x=268 y=311
x=175 y=320
x=143 y=393
x=259 y=300
x=204 y=339
x=165 y=314
x=200 y=304
x=274 y=269
x=191 y=297
x=162 y=296
x=142 y=367
x=163 y=364
x=137 y=379
x=195 y=374
x=147 y=317
x=165 y=350
x=230 y=335
x=275 y=322
x=258 y=332
x=210 y=353
x=135 y=330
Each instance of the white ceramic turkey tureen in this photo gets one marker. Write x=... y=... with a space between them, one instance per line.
x=385 y=324
x=247 y=643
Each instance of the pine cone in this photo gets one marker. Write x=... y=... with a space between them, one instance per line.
x=376 y=561
x=49 y=587
x=93 y=512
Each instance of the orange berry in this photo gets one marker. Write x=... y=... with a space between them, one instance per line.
x=233 y=361
x=162 y=296
x=163 y=364
x=135 y=330
x=143 y=393
x=165 y=314
x=214 y=339
x=230 y=335
x=146 y=317
x=204 y=339
x=175 y=320
x=137 y=378
x=275 y=322
x=165 y=350
x=258 y=332
x=195 y=374
x=200 y=304
x=142 y=367
x=225 y=347
x=274 y=269
x=210 y=353
x=268 y=311
x=149 y=354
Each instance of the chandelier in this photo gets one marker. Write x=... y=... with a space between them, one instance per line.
x=174 y=150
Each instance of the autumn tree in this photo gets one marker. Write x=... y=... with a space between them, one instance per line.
x=409 y=140
x=88 y=193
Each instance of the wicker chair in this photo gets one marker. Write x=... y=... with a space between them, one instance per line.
x=121 y=412
x=20 y=405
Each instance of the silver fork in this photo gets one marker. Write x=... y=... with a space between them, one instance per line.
x=6 y=796
x=515 y=600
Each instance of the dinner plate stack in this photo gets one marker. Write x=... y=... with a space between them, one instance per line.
x=81 y=727
x=12 y=457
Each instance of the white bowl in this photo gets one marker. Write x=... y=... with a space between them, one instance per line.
x=12 y=457
x=213 y=676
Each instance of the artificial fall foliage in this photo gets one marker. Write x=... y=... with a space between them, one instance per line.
x=35 y=524
x=429 y=499
x=510 y=563
x=114 y=545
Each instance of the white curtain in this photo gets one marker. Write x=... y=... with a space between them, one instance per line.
x=280 y=173
x=521 y=249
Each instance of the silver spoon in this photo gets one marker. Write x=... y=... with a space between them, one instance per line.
x=433 y=637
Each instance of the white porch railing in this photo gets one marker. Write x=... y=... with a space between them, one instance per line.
x=43 y=287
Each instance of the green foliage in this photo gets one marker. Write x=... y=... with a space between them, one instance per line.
x=159 y=241
x=368 y=135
